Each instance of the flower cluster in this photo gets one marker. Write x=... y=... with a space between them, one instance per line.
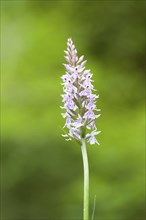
x=79 y=101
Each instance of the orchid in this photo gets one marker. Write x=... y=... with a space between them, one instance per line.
x=79 y=103
x=78 y=99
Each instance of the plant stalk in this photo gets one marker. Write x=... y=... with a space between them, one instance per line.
x=86 y=181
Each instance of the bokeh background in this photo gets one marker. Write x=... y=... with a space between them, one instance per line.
x=42 y=174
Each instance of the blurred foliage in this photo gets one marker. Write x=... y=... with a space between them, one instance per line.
x=42 y=175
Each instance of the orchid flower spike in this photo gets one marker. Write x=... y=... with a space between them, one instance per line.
x=78 y=100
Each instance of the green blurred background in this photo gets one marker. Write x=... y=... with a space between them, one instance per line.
x=42 y=174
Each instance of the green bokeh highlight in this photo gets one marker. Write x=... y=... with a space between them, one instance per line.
x=42 y=175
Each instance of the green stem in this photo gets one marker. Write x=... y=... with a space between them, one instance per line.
x=86 y=181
